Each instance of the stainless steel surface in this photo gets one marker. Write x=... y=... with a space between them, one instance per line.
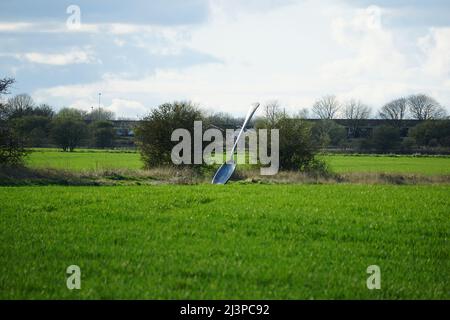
x=223 y=174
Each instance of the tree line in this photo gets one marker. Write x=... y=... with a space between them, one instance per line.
x=429 y=136
x=23 y=123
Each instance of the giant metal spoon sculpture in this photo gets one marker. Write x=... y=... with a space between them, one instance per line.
x=225 y=171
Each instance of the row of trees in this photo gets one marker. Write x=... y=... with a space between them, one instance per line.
x=428 y=136
x=23 y=123
x=417 y=107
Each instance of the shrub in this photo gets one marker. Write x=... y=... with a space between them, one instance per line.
x=68 y=133
x=386 y=138
x=432 y=133
x=154 y=132
x=103 y=134
x=297 y=150
x=12 y=146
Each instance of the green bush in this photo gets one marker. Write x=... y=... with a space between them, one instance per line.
x=103 y=134
x=153 y=133
x=297 y=150
x=432 y=133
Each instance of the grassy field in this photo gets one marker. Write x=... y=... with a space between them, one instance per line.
x=100 y=160
x=81 y=160
x=236 y=241
x=389 y=164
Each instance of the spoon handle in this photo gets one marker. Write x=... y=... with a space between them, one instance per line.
x=250 y=114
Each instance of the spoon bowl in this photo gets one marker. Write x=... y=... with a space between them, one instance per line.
x=224 y=173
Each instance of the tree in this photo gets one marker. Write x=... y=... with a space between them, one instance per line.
x=328 y=132
x=44 y=110
x=296 y=148
x=100 y=114
x=386 y=138
x=355 y=112
x=303 y=113
x=326 y=108
x=395 y=111
x=432 y=132
x=20 y=105
x=34 y=129
x=154 y=132
x=423 y=107
x=12 y=149
x=68 y=129
x=103 y=134
x=273 y=112
x=5 y=84
x=223 y=120
x=72 y=113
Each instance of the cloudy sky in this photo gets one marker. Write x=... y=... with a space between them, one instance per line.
x=224 y=54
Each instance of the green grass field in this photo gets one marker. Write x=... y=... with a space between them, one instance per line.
x=389 y=164
x=228 y=242
x=82 y=160
x=100 y=160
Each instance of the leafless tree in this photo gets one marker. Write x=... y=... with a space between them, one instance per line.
x=355 y=111
x=100 y=114
x=395 y=110
x=423 y=107
x=5 y=84
x=303 y=113
x=273 y=112
x=20 y=105
x=326 y=108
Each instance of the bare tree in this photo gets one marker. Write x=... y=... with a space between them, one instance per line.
x=355 y=111
x=395 y=111
x=326 y=108
x=5 y=84
x=273 y=112
x=100 y=114
x=423 y=107
x=20 y=105
x=303 y=113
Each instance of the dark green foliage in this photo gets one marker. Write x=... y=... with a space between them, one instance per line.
x=154 y=132
x=432 y=133
x=328 y=133
x=67 y=133
x=12 y=146
x=297 y=149
x=386 y=138
x=103 y=134
x=35 y=129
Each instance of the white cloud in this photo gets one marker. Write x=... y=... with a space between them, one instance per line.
x=294 y=53
x=73 y=56
x=127 y=108
x=17 y=26
x=436 y=47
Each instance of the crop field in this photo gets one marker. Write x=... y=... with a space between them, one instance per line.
x=85 y=159
x=82 y=160
x=226 y=242
x=389 y=164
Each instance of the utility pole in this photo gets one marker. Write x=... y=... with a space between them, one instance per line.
x=99 y=96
